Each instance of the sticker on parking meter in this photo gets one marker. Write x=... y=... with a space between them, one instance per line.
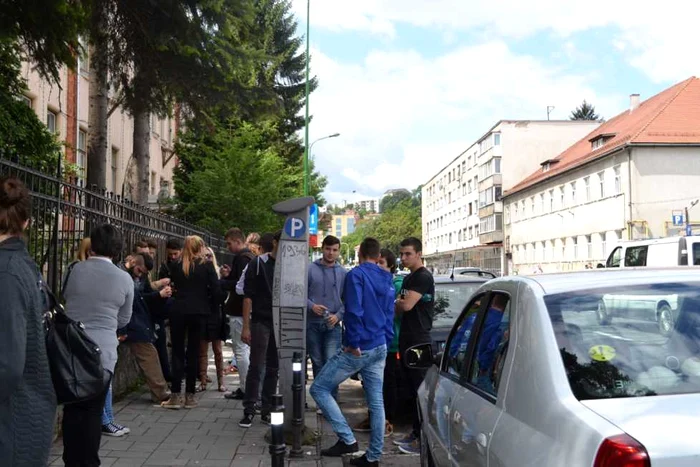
x=602 y=353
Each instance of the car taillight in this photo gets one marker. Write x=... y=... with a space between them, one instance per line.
x=621 y=451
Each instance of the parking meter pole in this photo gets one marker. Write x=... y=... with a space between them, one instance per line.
x=277 y=446
x=298 y=406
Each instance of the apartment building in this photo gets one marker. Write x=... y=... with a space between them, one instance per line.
x=628 y=179
x=65 y=111
x=369 y=205
x=462 y=212
x=343 y=224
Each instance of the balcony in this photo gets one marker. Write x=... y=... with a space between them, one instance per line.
x=491 y=180
x=491 y=237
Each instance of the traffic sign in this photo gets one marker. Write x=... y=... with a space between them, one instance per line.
x=294 y=227
x=313 y=219
x=678 y=219
x=688 y=230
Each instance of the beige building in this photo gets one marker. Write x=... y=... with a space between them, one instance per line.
x=627 y=179
x=343 y=224
x=65 y=111
x=462 y=211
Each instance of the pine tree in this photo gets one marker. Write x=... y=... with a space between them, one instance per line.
x=585 y=111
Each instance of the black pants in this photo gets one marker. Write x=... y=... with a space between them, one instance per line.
x=185 y=326
x=82 y=431
x=263 y=353
x=389 y=388
x=162 y=348
x=413 y=377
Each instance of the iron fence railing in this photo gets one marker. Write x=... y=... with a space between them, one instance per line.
x=63 y=213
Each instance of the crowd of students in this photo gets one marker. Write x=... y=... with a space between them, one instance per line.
x=361 y=321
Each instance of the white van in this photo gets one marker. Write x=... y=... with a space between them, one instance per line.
x=657 y=252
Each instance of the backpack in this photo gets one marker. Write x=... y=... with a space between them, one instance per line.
x=75 y=359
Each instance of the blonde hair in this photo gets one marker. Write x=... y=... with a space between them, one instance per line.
x=84 y=249
x=214 y=262
x=190 y=252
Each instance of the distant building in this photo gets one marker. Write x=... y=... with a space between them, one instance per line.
x=630 y=178
x=343 y=224
x=462 y=212
x=368 y=205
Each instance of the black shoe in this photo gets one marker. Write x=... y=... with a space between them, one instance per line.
x=247 y=421
x=236 y=395
x=339 y=449
x=265 y=419
x=363 y=462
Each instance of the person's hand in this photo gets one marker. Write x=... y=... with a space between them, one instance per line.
x=121 y=338
x=225 y=270
x=166 y=292
x=318 y=309
x=245 y=335
x=355 y=352
x=332 y=320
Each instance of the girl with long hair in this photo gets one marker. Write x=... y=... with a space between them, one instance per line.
x=195 y=286
x=212 y=331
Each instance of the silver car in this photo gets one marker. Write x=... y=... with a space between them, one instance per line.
x=530 y=377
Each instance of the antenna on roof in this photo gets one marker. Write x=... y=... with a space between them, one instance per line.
x=549 y=110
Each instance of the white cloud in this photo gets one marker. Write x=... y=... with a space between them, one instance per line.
x=402 y=116
x=659 y=41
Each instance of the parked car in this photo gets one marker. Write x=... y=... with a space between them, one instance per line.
x=656 y=252
x=529 y=377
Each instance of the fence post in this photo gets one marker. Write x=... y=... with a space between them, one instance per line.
x=297 y=406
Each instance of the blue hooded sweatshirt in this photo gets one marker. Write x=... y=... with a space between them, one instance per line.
x=325 y=288
x=369 y=307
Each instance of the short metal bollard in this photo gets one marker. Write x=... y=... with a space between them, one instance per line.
x=277 y=446
x=297 y=406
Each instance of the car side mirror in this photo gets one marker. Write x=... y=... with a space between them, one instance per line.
x=419 y=357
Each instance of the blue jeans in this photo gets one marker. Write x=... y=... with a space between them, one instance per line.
x=107 y=415
x=339 y=368
x=322 y=344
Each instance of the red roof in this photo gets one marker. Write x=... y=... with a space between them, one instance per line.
x=670 y=117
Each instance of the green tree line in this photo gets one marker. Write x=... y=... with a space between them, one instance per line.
x=232 y=69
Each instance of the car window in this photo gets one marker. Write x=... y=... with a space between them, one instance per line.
x=492 y=345
x=636 y=256
x=450 y=300
x=458 y=345
x=629 y=341
x=614 y=258
x=696 y=254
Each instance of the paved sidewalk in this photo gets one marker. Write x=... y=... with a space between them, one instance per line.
x=210 y=436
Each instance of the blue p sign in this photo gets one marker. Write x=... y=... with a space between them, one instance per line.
x=294 y=227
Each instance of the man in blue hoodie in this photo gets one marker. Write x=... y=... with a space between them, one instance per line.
x=325 y=306
x=369 y=317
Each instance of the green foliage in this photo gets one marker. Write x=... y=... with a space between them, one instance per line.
x=400 y=221
x=585 y=111
x=47 y=30
x=239 y=178
x=388 y=202
x=23 y=138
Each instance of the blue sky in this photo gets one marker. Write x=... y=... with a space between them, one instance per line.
x=409 y=84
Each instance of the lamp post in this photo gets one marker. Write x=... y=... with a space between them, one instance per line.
x=306 y=103
x=688 y=227
x=277 y=446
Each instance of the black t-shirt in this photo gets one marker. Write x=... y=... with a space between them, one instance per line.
x=419 y=320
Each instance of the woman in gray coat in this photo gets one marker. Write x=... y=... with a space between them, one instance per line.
x=27 y=398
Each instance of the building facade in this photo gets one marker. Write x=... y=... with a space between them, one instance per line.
x=343 y=224
x=369 y=205
x=65 y=112
x=626 y=180
x=462 y=212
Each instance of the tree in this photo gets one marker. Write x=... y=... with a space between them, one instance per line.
x=239 y=179
x=389 y=201
x=585 y=111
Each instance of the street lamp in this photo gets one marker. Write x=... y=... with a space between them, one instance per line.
x=307 y=167
x=306 y=97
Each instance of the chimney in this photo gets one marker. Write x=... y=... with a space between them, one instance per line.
x=634 y=101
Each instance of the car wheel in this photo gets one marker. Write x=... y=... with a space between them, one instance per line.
x=602 y=314
x=426 y=459
x=665 y=319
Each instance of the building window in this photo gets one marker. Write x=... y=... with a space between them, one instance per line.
x=601 y=185
x=575 y=248
x=469 y=160
x=497 y=165
x=515 y=211
x=496 y=139
x=522 y=210
x=470 y=186
x=589 y=247
x=618 y=180
x=561 y=197
x=587 y=188
x=532 y=205
x=27 y=101
x=471 y=233
x=350 y=225
x=551 y=200
x=154 y=183
x=81 y=159
x=573 y=193
x=115 y=168
x=464 y=189
x=541 y=203
x=51 y=120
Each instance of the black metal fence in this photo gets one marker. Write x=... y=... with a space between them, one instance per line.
x=63 y=213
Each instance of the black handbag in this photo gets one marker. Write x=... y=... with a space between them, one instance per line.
x=74 y=358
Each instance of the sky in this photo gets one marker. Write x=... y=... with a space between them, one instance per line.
x=410 y=84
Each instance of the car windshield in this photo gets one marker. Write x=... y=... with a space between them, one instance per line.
x=450 y=300
x=629 y=341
